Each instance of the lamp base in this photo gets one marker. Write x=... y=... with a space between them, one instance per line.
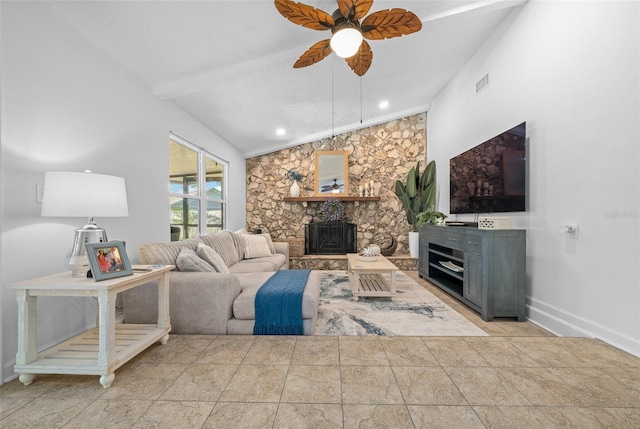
x=89 y=233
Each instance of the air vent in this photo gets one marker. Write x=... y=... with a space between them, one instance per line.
x=482 y=83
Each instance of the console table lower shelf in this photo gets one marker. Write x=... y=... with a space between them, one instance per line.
x=79 y=355
x=97 y=351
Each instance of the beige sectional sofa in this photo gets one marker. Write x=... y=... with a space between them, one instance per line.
x=214 y=287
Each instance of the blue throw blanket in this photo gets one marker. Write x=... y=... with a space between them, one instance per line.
x=278 y=304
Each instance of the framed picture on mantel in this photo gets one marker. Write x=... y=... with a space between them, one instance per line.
x=331 y=173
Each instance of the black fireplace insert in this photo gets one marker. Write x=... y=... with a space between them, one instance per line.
x=330 y=238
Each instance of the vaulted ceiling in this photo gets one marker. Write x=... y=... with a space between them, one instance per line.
x=229 y=63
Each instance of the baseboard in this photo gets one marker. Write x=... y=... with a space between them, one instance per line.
x=564 y=324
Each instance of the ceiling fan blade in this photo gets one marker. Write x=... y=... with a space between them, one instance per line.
x=317 y=52
x=354 y=9
x=362 y=60
x=304 y=15
x=389 y=23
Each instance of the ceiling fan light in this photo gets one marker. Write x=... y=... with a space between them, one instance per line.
x=346 y=42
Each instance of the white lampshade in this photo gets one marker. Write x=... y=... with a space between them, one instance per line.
x=346 y=42
x=73 y=194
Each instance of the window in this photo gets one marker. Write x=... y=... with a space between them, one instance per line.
x=197 y=190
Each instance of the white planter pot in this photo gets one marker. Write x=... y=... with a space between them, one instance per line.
x=414 y=244
x=295 y=189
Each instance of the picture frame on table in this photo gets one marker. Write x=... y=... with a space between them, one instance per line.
x=108 y=260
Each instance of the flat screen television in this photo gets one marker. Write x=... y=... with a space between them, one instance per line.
x=490 y=177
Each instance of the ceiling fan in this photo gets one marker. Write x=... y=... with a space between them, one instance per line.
x=333 y=187
x=348 y=33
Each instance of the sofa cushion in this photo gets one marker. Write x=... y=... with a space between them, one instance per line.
x=164 y=253
x=258 y=265
x=212 y=257
x=255 y=246
x=188 y=260
x=244 y=305
x=223 y=243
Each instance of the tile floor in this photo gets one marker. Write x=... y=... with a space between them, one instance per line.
x=520 y=376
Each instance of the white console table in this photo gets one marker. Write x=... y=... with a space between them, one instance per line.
x=98 y=351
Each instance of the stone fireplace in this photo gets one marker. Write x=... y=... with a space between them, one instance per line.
x=330 y=238
x=381 y=153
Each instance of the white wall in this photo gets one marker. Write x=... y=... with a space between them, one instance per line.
x=571 y=71
x=67 y=106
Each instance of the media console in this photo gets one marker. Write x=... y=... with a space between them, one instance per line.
x=485 y=269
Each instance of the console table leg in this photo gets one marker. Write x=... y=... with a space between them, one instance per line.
x=164 y=339
x=106 y=380
x=27 y=328
x=106 y=329
x=164 y=320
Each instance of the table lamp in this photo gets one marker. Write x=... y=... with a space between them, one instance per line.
x=75 y=194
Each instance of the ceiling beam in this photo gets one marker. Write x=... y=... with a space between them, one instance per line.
x=475 y=8
x=202 y=81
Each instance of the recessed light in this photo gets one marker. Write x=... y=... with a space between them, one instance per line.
x=281 y=131
x=383 y=104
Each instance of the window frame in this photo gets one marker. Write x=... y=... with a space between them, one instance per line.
x=201 y=195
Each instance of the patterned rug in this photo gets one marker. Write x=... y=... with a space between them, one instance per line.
x=414 y=311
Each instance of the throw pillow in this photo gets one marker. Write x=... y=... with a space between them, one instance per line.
x=256 y=246
x=223 y=243
x=238 y=242
x=214 y=259
x=188 y=260
x=272 y=248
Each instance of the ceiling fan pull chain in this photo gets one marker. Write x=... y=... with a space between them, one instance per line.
x=360 y=100
x=333 y=105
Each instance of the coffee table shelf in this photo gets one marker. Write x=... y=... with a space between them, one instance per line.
x=368 y=278
x=374 y=285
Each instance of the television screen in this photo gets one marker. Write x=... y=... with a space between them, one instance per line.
x=490 y=177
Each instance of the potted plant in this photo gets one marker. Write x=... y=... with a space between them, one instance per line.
x=431 y=217
x=294 y=177
x=417 y=195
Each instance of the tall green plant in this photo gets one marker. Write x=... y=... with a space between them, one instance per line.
x=418 y=193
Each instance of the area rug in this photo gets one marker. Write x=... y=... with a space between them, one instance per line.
x=414 y=311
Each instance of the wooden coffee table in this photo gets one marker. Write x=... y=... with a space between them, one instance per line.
x=367 y=278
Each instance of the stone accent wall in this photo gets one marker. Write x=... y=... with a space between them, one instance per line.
x=382 y=153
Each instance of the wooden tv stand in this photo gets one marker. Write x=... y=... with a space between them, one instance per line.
x=485 y=269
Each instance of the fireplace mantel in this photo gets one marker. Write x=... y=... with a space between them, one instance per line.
x=325 y=198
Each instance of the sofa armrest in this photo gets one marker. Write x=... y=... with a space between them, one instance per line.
x=199 y=303
x=282 y=247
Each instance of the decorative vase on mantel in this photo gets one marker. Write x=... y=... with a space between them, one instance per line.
x=295 y=189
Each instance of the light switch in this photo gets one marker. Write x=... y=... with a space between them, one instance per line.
x=570 y=229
